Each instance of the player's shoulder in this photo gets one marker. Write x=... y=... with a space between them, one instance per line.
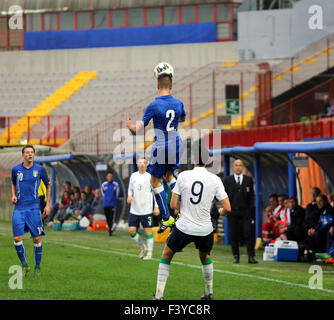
x=134 y=174
x=38 y=166
x=152 y=104
x=17 y=167
x=213 y=177
x=176 y=100
x=184 y=174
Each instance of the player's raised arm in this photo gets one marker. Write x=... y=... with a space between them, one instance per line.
x=134 y=128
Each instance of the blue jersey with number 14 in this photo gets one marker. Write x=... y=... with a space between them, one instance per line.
x=166 y=112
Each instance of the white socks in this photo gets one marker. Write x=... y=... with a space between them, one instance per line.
x=163 y=273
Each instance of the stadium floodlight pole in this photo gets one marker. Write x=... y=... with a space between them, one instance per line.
x=225 y=221
x=258 y=196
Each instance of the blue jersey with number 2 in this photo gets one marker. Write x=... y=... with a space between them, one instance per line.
x=166 y=112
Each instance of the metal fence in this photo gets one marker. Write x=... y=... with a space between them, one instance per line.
x=309 y=63
x=52 y=130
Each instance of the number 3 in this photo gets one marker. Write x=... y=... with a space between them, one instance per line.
x=170 y=114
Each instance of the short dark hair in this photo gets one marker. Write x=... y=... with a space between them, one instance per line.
x=323 y=197
x=165 y=81
x=68 y=182
x=317 y=190
x=294 y=198
x=200 y=153
x=282 y=195
x=76 y=189
x=274 y=195
x=27 y=147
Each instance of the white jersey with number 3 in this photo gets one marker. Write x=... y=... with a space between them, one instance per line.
x=197 y=189
x=141 y=191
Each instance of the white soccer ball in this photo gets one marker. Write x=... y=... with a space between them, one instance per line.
x=163 y=68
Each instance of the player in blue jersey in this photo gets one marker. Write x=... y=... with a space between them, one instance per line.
x=167 y=112
x=26 y=178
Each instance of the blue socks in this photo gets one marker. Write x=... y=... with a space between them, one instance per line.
x=161 y=198
x=38 y=254
x=21 y=252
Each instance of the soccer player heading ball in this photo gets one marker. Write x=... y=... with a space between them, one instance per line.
x=167 y=112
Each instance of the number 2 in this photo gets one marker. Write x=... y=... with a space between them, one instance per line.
x=197 y=194
x=171 y=115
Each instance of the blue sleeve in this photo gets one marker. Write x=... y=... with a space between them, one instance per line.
x=183 y=113
x=13 y=176
x=148 y=115
x=44 y=176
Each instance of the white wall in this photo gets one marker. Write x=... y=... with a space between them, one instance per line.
x=272 y=34
x=144 y=57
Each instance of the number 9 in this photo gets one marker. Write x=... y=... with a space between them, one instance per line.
x=196 y=194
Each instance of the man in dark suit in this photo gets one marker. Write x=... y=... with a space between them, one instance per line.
x=240 y=189
x=296 y=229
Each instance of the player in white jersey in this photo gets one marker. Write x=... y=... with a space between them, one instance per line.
x=140 y=196
x=197 y=187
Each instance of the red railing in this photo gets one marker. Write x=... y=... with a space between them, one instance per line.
x=51 y=130
x=307 y=104
x=323 y=128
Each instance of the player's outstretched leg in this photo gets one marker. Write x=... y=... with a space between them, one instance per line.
x=136 y=238
x=150 y=244
x=161 y=198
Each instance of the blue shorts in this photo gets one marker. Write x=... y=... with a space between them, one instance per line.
x=164 y=160
x=146 y=220
x=159 y=170
x=25 y=220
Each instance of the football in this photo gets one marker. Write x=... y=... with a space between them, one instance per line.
x=163 y=68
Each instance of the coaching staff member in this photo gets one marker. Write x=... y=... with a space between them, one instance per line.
x=240 y=190
x=110 y=192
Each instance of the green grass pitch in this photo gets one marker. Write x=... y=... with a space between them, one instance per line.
x=92 y=265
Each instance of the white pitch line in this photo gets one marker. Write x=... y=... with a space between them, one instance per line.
x=237 y=274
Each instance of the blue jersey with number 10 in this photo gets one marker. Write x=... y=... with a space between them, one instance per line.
x=166 y=112
x=27 y=182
